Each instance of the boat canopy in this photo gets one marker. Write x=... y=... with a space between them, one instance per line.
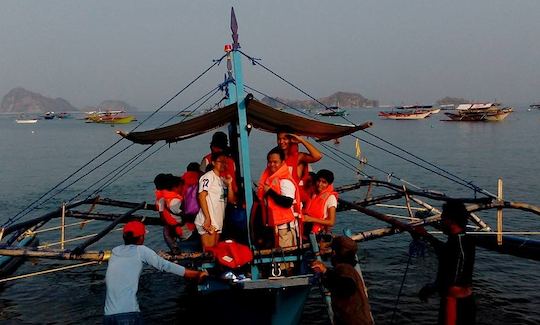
x=259 y=115
x=463 y=107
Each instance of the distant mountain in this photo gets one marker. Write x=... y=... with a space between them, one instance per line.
x=452 y=101
x=116 y=105
x=341 y=99
x=20 y=100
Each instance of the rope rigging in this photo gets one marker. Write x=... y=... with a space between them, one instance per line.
x=124 y=168
x=452 y=177
x=36 y=203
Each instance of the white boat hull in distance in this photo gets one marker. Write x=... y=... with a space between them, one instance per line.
x=26 y=121
x=404 y=116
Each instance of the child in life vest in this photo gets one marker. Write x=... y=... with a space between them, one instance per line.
x=320 y=210
x=169 y=189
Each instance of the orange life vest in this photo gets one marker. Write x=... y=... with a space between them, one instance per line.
x=292 y=162
x=315 y=207
x=190 y=178
x=273 y=214
x=167 y=216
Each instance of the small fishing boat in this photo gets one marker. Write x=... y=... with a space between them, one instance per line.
x=409 y=112
x=63 y=115
x=26 y=121
x=333 y=111
x=49 y=116
x=405 y=115
x=534 y=106
x=109 y=117
x=479 y=112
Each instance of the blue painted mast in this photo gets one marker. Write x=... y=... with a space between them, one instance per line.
x=236 y=93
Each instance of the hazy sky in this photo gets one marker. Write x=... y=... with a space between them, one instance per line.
x=142 y=52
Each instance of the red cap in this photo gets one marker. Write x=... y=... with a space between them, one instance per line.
x=136 y=228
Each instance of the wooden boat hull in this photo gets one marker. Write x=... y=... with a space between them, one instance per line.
x=480 y=116
x=26 y=121
x=112 y=120
x=278 y=301
x=404 y=116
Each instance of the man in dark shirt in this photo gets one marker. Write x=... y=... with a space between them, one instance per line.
x=456 y=263
x=349 y=294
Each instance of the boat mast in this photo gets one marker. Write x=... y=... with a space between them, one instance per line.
x=237 y=93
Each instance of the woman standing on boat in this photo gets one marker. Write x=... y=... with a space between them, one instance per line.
x=215 y=190
x=320 y=210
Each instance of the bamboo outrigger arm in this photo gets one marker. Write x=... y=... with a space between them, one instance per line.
x=80 y=249
x=434 y=195
x=412 y=229
x=504 y=204
x=151 y=221
x=53 y=214
x=56 y=254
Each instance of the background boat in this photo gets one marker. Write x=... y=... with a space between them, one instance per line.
x=405 y=115
x=109 y=117
x=479 y=112
x=333 y=111
x=26 y=121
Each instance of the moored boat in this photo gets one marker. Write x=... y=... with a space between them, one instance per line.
x=479 y=112
x=109 y=117
x=405 y=115
x=26 y=121
x=333 y=111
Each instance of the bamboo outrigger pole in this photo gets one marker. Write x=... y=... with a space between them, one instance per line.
x=80 y=249
x=499 y=212
x=56 y=254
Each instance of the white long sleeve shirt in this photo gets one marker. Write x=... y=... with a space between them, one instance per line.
x=123 y=272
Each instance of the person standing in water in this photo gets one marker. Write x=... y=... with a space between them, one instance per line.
x=456 y=264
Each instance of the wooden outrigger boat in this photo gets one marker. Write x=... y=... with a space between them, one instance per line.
x=405 y=115
x=109 y=117
x=333 y=111
x=263 y=298
x=410 y=112
x=488 y=112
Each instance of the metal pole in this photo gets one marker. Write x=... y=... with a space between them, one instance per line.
x=63 y=226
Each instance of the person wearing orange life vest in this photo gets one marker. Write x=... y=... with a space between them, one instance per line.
x=320 y=210
x=281 y=198
x=220 y=143
x=297 y=161
x=169 y=202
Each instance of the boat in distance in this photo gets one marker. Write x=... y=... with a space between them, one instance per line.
x=479 y=112
x=409 y=112
x=109 y=117
x=26 y=121
x=333 y=111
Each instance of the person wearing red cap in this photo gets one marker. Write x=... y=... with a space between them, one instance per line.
x=123 y=272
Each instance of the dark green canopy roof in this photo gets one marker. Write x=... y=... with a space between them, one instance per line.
x=259 y=115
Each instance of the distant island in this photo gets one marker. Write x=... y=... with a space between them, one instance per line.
x=452 y=101
x=341 y=99
x=20 y=100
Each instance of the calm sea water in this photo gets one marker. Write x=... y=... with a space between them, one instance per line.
x=34 y=158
